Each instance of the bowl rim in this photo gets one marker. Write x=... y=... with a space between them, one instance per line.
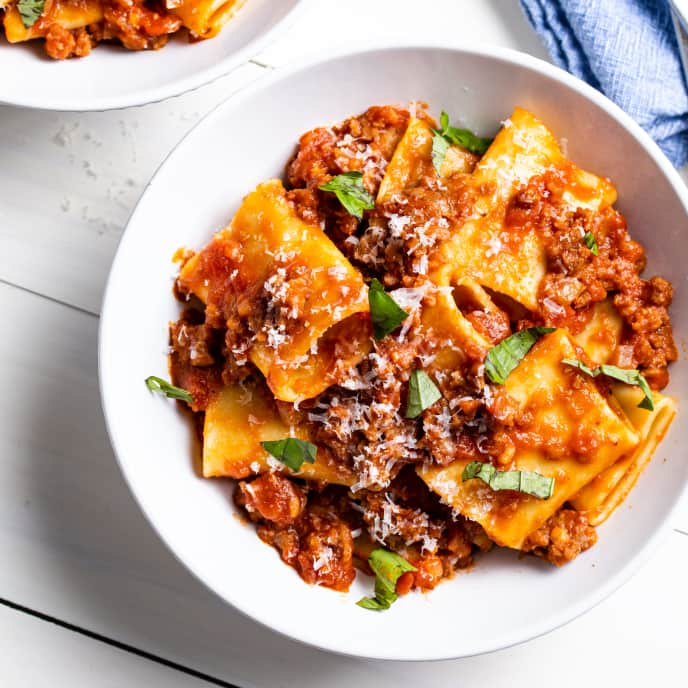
x=566 y=613
x=149 y=96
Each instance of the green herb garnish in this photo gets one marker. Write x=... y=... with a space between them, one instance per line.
x=527 y=482
x=30 y=11
x=385 y=312
x=439 y=150
x=157 y=384
x=446 y=135
x=387 y=567
x=292 y=452
x=590 y=242
x=349 y=189
x=505 y=356
x=422 y=393
x=630 y=377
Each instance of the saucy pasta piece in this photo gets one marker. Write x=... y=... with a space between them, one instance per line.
x=71 y=28
x=289 y=296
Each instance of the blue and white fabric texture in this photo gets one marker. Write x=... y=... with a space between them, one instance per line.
x=628 y=50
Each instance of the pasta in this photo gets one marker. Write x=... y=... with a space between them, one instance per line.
x=204 y=18
x=314 y=290
x=71 y=28
x=421 y=344
x=237 y=421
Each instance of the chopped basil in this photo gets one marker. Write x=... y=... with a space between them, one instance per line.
x=385 y=312
x=30 y=11
x=349 y=189
x=590 y=242
x=157 y=384
x=505 y=356
x=372 y=603
x=422 y=393
x=439 y=150
x=527 y=482
x=387 y=567
x=446 y=135
x=292 y=452
x=630 y=377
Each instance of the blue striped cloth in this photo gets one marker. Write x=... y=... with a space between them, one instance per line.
x=627 y=49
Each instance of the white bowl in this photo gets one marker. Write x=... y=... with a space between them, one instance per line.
x=112 y=77
x=504 y=599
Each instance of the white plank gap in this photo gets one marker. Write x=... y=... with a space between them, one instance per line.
x=37 y=654
x=77 y=547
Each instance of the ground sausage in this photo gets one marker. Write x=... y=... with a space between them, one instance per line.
x=562 y=538
x=273 y=498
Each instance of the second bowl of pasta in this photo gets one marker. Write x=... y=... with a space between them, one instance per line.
x=83 y=55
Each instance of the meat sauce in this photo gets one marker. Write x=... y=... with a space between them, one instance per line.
x=326 y=531
x=135 y=24
x=577 y=278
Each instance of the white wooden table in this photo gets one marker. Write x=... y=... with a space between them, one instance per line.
x=90 y=596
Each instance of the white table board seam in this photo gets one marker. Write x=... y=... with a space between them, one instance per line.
x=114 y=643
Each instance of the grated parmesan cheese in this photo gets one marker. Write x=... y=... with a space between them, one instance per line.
x=274 y=464
x=552 y=306
x=324 y=560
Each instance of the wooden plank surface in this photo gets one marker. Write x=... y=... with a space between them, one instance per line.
x=77 y=547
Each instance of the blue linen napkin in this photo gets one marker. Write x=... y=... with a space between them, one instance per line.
x=627 y=49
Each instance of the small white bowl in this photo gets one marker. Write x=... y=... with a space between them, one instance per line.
x=505 y=599
x=112 y=77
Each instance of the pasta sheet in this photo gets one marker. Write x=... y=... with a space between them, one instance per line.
x=269 y=252
x=567 y=413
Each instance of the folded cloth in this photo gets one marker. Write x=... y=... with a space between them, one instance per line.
x=628 y=50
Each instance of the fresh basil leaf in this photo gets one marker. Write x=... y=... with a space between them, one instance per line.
x=385 y=593
x=467 y=139
x=422 y=393
x=528 y=482
x=385 y=312
x=627 y=375
x=30 y=11
x=591 y=242
x=439 y=150
x=446 y=135
x=478 y=469
x=157 y=384
x=592 y=372
x=373 y=603
x=387 y=567
x=291 y=451
x=349 y=189
x=505 y=356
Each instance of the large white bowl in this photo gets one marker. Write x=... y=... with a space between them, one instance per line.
x=112 y=77
x=504 y=599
